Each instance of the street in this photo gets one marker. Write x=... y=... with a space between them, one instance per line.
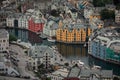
x=22 y=63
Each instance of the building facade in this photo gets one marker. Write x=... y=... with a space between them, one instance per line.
x=104 y=44
x=36 y=22
x=43 y=55
x=4 y=41
x=72 y=33
x=117 y=16
x=71 y=36
x=3 y=15
x=12 y=20
x=94 y=16
x=23 y=22
x=50 y=28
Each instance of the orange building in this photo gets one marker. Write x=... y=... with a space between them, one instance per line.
x=71 y=35
x=95 y=15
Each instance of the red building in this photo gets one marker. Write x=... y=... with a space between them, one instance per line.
x=35 y=25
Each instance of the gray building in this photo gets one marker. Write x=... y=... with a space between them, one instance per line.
x=4 y=41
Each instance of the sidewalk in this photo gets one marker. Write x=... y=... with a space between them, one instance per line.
x=22 y=61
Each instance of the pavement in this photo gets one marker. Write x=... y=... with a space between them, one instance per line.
x=22 y=62
x=11 y=78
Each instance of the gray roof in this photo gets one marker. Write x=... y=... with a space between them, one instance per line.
x=15 y=15
x=85 y=73
x=52 y=25
x=3 y=33
x=1 y=57
x=39 y=51
x=74 y=72
x=100 y=73
x=107 y=73
x=70 y=27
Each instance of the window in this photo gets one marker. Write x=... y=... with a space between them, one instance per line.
x=3 y=40
x=6 y=47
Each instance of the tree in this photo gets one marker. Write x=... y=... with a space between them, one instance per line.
x=19 y=8
x=55 y=13
x=12 y=38
x=107 y=14
x=118 y=6
x=41 y=66
x=101 y=3
x=116 y=78
x=66 y=64
x=48 y=78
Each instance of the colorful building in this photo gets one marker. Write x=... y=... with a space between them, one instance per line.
x=35 y=25
x=72 y=33
x=105 y=44
x=94 y=15
x=36 y=22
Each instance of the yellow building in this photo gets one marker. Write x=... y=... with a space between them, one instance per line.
x=95 y=15
x=71 y=35
x=89 y=30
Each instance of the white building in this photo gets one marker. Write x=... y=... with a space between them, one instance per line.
x=50 y=28
x=4 y=40
x=12 y=20
x=88 y=12
x=59 y=74
x=43 y=54
x=117 y=16
x=5 y=66
x=23 y=21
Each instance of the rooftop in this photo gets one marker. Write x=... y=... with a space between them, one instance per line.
x=74 y=72
x=108 y=37
x=39 y=51
x=3 y=33
x=100 y=73
x=61 y=72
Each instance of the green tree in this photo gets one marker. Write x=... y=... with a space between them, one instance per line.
x=107 y=14
x=118 y=6
x=101 y=3
x=116 y=78
x=12 y=38
x=66 y=64
x=48 y=78
x=41 y=66
x=19 y=8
